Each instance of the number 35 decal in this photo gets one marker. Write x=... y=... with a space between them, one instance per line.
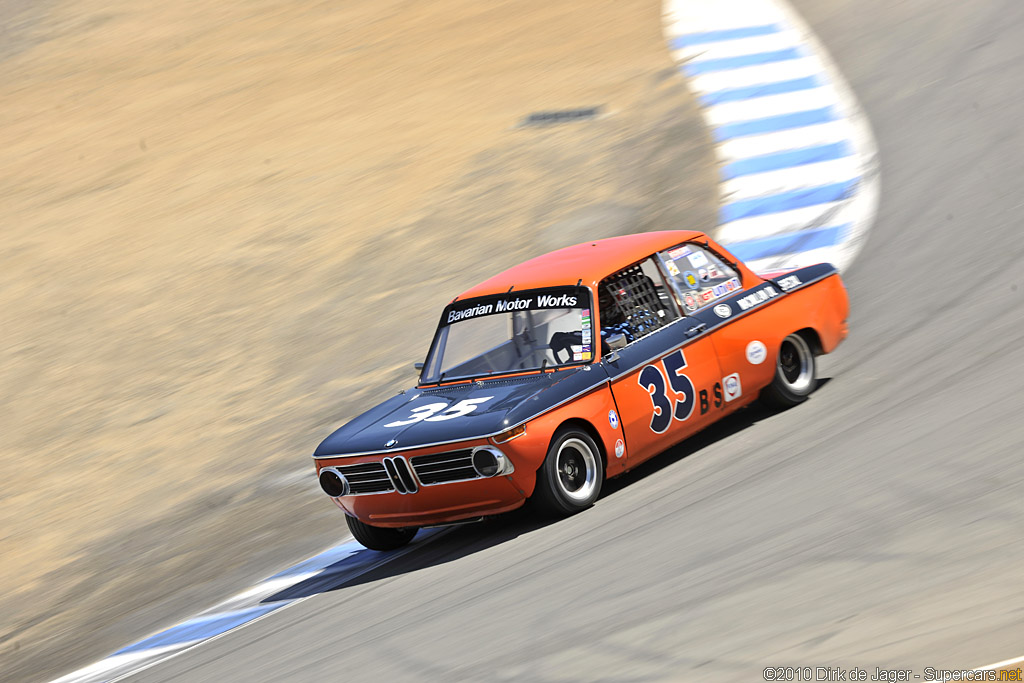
x=429 y=411
x=653 y=380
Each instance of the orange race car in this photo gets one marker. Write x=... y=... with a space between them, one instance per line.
x=573 y=367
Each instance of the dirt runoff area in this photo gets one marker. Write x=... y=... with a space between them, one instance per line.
x=229 y=227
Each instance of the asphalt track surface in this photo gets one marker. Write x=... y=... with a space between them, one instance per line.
x=877 y=525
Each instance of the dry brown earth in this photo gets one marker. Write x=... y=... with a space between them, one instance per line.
x=227 y=227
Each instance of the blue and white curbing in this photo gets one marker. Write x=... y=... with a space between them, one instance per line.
x=799 y=186
x=798 y=163
x=320 y=573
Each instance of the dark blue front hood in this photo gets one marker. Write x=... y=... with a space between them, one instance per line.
x=508 y=402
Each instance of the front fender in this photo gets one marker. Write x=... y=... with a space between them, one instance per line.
x=596 y=408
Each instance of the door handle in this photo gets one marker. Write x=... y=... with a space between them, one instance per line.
x=696 y=329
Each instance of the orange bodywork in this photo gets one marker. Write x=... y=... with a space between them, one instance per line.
x=620 y=411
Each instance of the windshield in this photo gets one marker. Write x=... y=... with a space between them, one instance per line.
x=514 y=332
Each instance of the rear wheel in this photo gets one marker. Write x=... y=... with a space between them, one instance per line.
x=571 y=476
x=379 y=538
x=794 y=374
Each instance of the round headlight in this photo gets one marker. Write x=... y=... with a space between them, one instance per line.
x=333 y=482
x=485 y=462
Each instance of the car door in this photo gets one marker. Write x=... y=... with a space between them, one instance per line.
x=665 y=380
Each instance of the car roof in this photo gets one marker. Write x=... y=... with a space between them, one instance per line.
x=590 y=262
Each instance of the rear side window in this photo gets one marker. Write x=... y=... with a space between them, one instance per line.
x=698 y=276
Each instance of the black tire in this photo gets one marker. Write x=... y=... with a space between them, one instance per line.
x=571 y=476
x=794 y=374
x=379 y=538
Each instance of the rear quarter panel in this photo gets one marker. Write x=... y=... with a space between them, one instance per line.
x=821 y=306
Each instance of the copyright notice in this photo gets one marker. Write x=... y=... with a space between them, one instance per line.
x=929 y=673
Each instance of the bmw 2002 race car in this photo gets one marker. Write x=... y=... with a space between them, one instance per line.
x=574 y=367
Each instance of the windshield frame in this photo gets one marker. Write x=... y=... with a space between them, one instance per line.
x=488 y=305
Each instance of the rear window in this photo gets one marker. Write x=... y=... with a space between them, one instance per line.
x=698 y=276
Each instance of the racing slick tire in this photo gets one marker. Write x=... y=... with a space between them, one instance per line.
x=794 y=374
x=571 y=476
x=378 y=538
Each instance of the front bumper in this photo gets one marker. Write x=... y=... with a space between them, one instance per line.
x=425 y=487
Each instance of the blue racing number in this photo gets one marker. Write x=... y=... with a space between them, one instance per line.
x=653 y=380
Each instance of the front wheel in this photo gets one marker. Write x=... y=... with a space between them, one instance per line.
x=379 y=538
x=794 y=374
x=570 y=478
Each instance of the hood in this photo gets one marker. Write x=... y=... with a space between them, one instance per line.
x=425 y=416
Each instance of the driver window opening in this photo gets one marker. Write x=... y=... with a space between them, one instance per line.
x=634 y=303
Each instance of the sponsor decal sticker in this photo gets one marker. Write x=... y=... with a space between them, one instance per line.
x=679 y=252
x=732 y=284
x=613 y=419
x=703 y=274
x=585 y=355
x=713 y=272
x=620 y=448
x=756 y=352
x=586 y=336
x=731 y=384
x=723 y=310
x=720 y=290
x=789 y=282
x=698 y=259
x=755 y=298
x=690 y=301
x=672 y=268
x=577 y=356
x=690 y=279
x=706 y=296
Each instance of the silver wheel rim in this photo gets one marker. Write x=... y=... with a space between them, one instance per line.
x=795 y=364
x=576 y=470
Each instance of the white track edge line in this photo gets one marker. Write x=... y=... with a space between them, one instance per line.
x=999 y=665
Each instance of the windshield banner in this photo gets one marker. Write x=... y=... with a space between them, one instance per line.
x=534 y=299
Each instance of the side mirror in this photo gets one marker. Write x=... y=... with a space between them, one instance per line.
x=418 y=366
x=616 y=340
